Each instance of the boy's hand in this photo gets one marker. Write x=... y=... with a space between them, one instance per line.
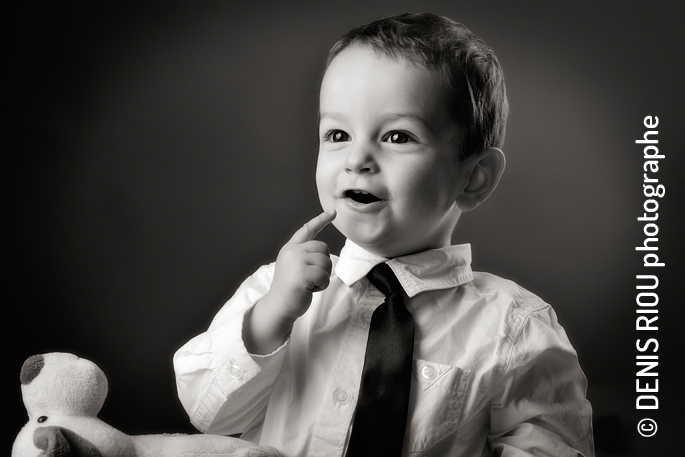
x=303 y=266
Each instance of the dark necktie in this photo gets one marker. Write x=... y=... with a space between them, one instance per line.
x=381 y=415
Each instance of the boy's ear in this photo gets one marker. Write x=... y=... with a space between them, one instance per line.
x=484 y=172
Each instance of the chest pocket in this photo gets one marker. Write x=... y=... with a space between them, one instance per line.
x=436 y=401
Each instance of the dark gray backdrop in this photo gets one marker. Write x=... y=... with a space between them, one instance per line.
x=160 y=152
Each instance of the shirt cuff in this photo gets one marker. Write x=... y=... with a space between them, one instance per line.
x=233 y=364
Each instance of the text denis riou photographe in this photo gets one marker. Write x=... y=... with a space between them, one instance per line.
x=647 y=298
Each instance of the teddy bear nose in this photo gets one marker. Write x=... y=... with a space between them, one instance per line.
x=31 y=368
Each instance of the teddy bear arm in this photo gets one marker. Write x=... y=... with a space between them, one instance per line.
x=178 y=445
x=62 y=442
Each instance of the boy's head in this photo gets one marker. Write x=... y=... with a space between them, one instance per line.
x=412 y=113
x=464 y=64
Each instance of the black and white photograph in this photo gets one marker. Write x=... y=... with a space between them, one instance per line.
x=383 y=228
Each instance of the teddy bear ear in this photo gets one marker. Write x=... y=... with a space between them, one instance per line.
x=31 y=368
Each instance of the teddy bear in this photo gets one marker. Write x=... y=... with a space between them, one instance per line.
x=63 y=394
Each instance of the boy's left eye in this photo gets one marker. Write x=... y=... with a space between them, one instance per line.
x=397 y=137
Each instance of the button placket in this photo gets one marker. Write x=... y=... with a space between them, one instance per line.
x=337 y=409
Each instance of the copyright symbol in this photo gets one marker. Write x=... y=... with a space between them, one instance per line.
x=647 y=427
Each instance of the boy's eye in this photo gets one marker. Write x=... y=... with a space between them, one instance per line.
x=337 y=136
x=397 y=137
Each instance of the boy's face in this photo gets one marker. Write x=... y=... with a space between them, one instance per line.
x=388 y=154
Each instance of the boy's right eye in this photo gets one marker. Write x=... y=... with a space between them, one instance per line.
x=337 y=136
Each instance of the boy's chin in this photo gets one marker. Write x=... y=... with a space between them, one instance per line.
x=367 y=241
x=390 y=247
x=385 y=240
x=378 y=245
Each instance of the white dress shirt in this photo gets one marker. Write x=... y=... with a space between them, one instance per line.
x=494 y=373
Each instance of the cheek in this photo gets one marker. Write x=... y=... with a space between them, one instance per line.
x=320 y=170
x=425 y=190
x=432 y=204
x=324 y=181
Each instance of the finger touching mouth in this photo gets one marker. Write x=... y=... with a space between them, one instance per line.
x=361 y=196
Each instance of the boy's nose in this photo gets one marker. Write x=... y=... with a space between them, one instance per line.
x=360 y=159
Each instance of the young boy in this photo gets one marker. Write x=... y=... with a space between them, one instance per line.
x=412 y=115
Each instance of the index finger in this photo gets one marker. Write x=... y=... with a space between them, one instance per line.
x=310 y=229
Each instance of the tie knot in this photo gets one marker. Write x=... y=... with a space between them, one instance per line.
x=385 y=280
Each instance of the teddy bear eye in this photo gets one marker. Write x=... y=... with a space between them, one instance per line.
x=42 y=419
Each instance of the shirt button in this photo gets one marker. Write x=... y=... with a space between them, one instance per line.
x=235 y=370
x=366 y=316
x=428 y=372
x=341 y=396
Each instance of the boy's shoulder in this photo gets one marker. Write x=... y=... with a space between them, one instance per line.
x=522 y=319
x=507 y=294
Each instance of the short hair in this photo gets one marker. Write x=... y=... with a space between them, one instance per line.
x=467 y=66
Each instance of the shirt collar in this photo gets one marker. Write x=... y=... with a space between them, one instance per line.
x=428 y=270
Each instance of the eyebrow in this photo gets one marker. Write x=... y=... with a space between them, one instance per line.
x=408 y=115
x=386 y=118
x=326 y=114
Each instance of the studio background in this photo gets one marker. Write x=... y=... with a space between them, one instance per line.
x=160 y=152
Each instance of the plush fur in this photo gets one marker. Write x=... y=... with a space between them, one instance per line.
x=63 y=395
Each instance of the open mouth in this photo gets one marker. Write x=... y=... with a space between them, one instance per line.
x=360 y=196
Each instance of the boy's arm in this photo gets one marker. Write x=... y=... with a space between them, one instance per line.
x=303 y=267
x=224 y=376
x=541 y=408
x=222 y=387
